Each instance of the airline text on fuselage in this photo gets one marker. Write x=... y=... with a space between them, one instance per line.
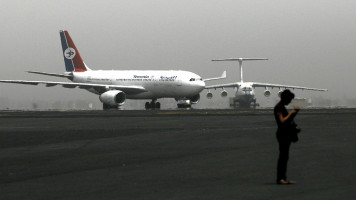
x=168 y=78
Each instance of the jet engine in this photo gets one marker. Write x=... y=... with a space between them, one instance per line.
x=113 y=98
x=280 y=92
x=194 y=99
x=267 y=93
x=223 y=93
x=209 y=95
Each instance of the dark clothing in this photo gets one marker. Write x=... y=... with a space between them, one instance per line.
x=283 y=158
x=284 y=141
x=281 y=109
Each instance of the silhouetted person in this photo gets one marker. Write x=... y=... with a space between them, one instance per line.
x=284 y=134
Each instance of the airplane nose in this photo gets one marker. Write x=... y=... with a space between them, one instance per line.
x=200 y=85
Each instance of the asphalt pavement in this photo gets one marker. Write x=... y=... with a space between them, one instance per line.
x=183 y=154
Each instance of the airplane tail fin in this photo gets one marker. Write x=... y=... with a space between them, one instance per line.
x=240 y=60
x=72 y=59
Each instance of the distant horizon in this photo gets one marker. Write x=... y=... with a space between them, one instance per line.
x=169 y=104
x=307 y=43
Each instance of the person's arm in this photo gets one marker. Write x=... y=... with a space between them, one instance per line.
x=290 y=115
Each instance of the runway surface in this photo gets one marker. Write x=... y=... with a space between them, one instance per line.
x=196 y=154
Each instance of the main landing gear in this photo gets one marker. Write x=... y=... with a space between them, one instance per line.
x=152 y=105
x=254 y=104
x=237 y=103
x=184 y=103
x=108 y=107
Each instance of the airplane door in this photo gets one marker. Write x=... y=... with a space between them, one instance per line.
x=111 y=79
x=155 y=82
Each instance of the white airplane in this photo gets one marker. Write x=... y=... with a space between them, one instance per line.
x=115 y=86
x=245 y=94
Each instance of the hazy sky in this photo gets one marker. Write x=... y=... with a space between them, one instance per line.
x=308 y=43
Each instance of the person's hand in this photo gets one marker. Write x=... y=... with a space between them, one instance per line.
x=295 y=110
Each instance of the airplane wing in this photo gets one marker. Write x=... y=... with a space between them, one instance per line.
x=126 y=89
x=227 y=85
x=223 y=75
x=254 y=84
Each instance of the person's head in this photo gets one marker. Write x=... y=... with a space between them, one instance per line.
x=286 y=97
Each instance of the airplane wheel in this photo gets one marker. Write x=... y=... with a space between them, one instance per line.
x=158 y=105
x=147 y=105
x=153 y=105
x=108 y=107
x=184 y=105
x=105 y=107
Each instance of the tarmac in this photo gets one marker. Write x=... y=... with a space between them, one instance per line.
x=173 y=154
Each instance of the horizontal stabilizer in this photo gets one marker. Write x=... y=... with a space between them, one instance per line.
x=239 y=59
x=52 y=74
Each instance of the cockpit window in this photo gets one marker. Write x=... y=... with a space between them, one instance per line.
x=247 y=90
x=196 y=79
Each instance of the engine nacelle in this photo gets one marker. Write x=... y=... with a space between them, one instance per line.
x=113 y=97
x=209 y=95
x=194 y=99
x=280 y=92
x=223 y=93
x=267 y=93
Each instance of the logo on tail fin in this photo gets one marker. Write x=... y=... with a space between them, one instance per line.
x=69 y=53
x=72 y=59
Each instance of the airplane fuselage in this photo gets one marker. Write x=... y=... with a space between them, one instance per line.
x=115 y=86
x=159 y=84
x=245 y=94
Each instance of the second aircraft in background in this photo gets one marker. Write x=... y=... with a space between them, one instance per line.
x=245 y=94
